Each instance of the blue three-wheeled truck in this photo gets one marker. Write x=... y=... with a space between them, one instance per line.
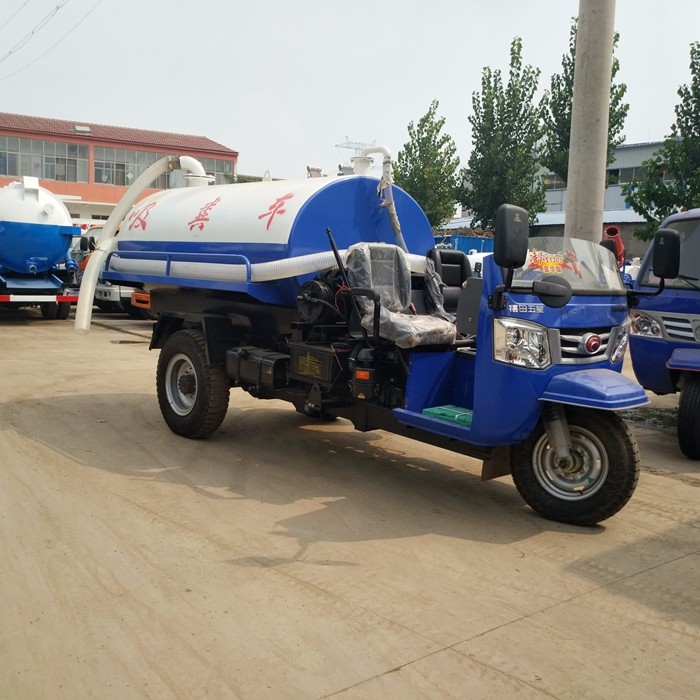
x=312 y=292
x=665 y=345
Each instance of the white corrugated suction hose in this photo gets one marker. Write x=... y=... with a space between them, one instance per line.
x=83 y=312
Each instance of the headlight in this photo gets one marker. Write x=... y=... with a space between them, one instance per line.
x=621 y=341
x=643 y=324
x=521 y=343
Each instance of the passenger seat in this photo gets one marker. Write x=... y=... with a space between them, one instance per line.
x=454 y=268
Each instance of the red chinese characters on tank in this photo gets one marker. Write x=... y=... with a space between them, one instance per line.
x=203 y=215
x=138 y=217
x=277 y=207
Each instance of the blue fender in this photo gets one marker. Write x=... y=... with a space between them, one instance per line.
x=684 y=359
x=595 y=388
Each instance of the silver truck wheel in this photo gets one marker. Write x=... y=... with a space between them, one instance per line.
x=600 y=479
x=192 y=394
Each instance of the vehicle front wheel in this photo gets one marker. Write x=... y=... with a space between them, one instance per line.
x=689 y=418
x=192 y=394
x=600 y=479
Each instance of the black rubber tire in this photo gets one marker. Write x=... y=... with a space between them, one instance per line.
x=608 y=469
x=49 y=310
x=106 y=306
x=689 y=418
x=136 y=311
x=63 y=311
x=192 y=395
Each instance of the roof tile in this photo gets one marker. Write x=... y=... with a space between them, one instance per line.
x=101 y=132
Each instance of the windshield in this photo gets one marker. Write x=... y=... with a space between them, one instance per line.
x=689 y=270
x=587 y=266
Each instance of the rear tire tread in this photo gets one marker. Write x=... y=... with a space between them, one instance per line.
x=689 y=419
x=213 y=395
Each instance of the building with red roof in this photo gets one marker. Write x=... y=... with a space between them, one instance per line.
x=92 y=165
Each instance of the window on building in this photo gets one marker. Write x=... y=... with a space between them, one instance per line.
x=553 y=182
x=221 y=170
x=117 y=166
x=47 y=160
x=623 y=176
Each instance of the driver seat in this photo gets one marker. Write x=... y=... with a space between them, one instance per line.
x=380 y=279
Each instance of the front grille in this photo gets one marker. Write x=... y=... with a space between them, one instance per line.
x=678 y=328
x=572 y=344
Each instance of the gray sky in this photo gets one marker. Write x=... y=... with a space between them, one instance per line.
x=283 y=82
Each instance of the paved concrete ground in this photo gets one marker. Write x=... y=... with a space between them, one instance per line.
x=283 y=558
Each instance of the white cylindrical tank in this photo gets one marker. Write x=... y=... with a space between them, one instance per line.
x=28 y=202
x=35 y=227
x=271 y=220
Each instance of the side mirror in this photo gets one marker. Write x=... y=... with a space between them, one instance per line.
x=512 y=233
x=666 y=253
x=665 y=263
x=83 y=243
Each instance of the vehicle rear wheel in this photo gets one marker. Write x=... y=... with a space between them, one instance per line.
x=63 y=311
x=49 y=310
x=192 y=394
x=597 y=484
x=689 y=418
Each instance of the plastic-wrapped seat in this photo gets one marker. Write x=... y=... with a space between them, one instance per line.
x=382 y=271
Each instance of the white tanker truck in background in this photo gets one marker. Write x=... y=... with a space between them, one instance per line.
x=36 y=267
x=323 y=293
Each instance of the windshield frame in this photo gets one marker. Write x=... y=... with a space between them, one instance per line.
x=689 y=232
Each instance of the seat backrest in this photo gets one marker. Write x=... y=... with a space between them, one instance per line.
x=383 y=268
x=468 y=307
x=454 y=268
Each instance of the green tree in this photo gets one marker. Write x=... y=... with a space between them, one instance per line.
x=672 y=175
x=232 y=179
x=556 y=111
x=506 y=130
x=426 y=167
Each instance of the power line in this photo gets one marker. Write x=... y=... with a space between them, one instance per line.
x=16 y=12
x=38 y=27
x=54 y=45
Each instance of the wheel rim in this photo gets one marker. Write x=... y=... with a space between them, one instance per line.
x=181 y=384
x=584 y=477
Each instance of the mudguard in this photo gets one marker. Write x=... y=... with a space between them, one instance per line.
x=595 y=388
x=684 y=359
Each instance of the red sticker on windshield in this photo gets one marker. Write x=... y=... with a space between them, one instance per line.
x=553 y=263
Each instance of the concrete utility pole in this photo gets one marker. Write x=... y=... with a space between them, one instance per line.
x=588 y=147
